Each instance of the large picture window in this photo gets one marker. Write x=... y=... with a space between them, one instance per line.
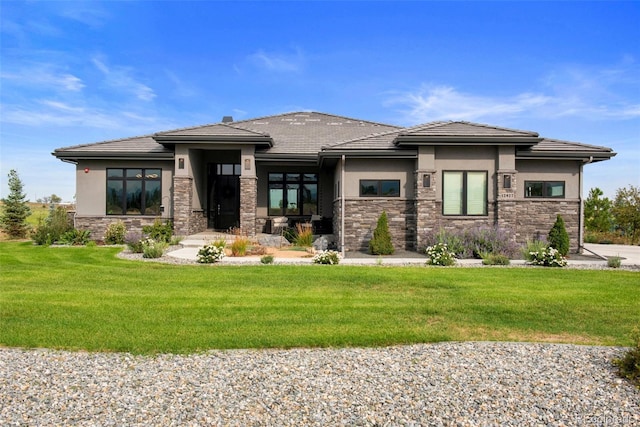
x=379 y=188
x=134 y=191
x=464 y=193
x=552 y=189
x=293 y=194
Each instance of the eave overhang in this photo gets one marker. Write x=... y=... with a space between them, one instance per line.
x=258 y=141
x=450 y=140
x=586 y=156
x=101 y=155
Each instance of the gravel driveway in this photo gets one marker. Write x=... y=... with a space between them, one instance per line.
x=465 y=384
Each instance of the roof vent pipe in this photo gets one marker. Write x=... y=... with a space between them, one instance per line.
x=227 y=119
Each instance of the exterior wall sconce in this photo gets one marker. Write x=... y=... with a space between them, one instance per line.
x=181 y=163
x=426 y=180
x=247 y=164
x=506 y=182
x=86 y=170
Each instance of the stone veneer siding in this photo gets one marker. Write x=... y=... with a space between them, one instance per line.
x=98 y=224
x=248 y=202
x=534 y=219
x=187 y=220
x=362 y=217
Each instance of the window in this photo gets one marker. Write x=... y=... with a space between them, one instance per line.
x=293 y=194
x=134 y=191
x=464 y=193
x=552 y=189
x=379 y=188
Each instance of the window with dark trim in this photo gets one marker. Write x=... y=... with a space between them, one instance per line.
x=464 y=193
x=134 y=191
x=544 y=189
x=293 y=194
x=379 y=188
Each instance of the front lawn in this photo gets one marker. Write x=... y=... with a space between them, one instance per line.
x=87 y=298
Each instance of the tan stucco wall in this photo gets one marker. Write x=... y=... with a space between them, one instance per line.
x=91 y=186
x=541 y=170
x=467 y=159
x=400 y=169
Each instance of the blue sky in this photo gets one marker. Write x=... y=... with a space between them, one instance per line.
x=81 y=72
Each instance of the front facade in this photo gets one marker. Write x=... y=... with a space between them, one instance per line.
x=337 y=171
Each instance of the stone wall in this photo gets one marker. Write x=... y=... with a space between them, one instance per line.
x=248 y=204
x=183 y=205
x=362 y=216
x=534 y=219
x=98 y=224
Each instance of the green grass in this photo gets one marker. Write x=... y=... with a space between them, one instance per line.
x=87 y=298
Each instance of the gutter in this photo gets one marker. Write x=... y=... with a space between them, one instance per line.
x=342 y=203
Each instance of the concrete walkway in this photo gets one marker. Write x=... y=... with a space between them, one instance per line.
x=630 y=255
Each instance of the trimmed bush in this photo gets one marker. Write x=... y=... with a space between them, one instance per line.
x=380 y=243
x=558 y=237
x=211 y=253
x=267 y=259
x=115 y=233
x=327 y=257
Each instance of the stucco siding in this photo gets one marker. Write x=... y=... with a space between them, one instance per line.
x=383 y=169
x=539 y=170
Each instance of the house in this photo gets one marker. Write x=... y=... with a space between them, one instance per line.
x=339 y=171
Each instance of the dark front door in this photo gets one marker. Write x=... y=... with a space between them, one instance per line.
x=224 y=196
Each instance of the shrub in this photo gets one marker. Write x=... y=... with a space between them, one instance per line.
x=211 y=253
x=76 y=237
x=558 y=237
x=629 y=364
x=547 y=257
x=52 y=227
x=133 y=240
x=14 y=209
x=327 y=257
x=152 y=248
x=439 y=254
x=115 y=233
x=159 y=231
x=473 y=243
x=304 y=235
x=453 y=240
x=495 y=259
x=267 y=259
x=614 y=262
x=380 y=243
x=239 y=246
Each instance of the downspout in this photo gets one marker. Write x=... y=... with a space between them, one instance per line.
x=342 y=204
x=581 y=217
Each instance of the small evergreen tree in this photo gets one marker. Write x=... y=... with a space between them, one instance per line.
x=380 y=243
x=15 y=210
x=558 y=237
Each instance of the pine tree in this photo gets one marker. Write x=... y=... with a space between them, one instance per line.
x=558 y=237
x=380 y=243
x=15 y=210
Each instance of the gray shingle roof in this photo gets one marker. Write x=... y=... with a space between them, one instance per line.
x=139 y=145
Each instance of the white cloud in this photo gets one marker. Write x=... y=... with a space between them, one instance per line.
x=278 y=62
x=45 y=75
x=120 y=78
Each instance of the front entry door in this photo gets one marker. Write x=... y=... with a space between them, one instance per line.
x=224 y=196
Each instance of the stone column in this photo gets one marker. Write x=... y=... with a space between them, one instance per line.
x=182 y=204
x=506 y=212
x=425 y=199
x=248 y=204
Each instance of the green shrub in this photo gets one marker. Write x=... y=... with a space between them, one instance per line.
x=495 y=259
x=267 y=259
x=533 y=246
x=327 y=257
x=474 y=242
x=52 y=227
x=133 y=240
x=439 y=254
x=380 y=243
x=629 y=365
x=152 y=248
x=614 y=262
x=304 y=235
x=76 y=237
x=211 y=253
x=548 y=257
x=558 y=237
x=158 y=231
x=115 y=233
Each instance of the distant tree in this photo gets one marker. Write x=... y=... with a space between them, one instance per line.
x=558 y=237
x=626 y=211
x=15 y=210
x=52 y=200
x=380 y=243
x=597 y=212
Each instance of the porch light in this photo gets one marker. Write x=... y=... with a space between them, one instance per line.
x=426 y=180
x=86 y=170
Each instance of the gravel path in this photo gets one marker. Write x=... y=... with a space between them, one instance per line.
x=462 y=384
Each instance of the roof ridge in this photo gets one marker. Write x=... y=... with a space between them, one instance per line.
x=371 y=135
x=495 y=127
x=320 y=113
